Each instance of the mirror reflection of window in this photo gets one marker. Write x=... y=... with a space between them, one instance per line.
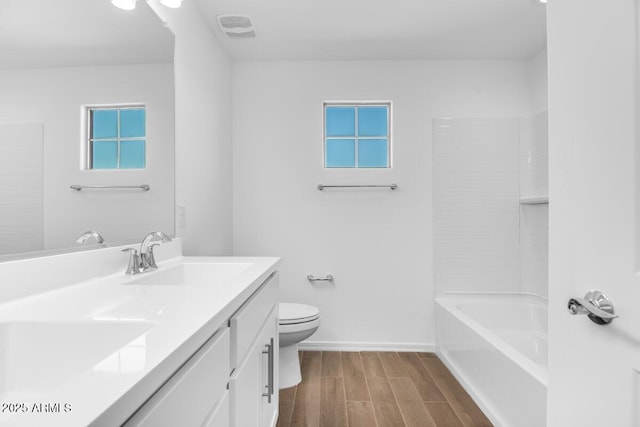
x=117 y=137
x=58 y=58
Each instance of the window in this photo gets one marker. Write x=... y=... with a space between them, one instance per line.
x=356 y=135
x=116 y=137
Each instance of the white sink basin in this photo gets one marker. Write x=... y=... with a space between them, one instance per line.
x=193 y=273
x=39 y=356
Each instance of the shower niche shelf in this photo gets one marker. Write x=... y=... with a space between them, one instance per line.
x=538 y=200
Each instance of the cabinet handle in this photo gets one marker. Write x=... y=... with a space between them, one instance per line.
x=270 y=364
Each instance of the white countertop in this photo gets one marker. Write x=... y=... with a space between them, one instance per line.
x=101 y=347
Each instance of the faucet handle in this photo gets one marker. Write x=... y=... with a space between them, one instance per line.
x=134 y=261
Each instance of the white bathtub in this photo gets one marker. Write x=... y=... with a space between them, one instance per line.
x=496 y=346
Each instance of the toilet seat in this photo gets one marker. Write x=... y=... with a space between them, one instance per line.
x=292 y=314
x=294 y=328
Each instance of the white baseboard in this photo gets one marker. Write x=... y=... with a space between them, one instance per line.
x=365 y=346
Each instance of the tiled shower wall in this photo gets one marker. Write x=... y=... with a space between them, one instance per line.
x=534 y=156
x=534 y=219
x=484 y=240
x=21 y=159
x=476 y=190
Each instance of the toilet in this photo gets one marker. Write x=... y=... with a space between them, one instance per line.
x=297 y=322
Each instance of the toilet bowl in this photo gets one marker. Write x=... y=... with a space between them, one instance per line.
x=297 y=322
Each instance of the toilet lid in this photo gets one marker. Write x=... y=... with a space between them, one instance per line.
x=290 y=313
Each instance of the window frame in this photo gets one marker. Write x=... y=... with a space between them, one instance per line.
x=356 y=138
x=88 y=141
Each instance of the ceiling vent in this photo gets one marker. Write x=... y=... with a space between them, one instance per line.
x=236 y=26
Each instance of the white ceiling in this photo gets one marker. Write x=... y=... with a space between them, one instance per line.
x=54 y=33
x=383 y=29
x=51 y=33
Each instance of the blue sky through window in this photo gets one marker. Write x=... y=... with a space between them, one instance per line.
x=341 y=153
x=356 y=135
x=117 y=138
x=372 y=153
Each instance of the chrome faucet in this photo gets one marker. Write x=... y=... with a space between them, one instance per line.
x=84 y=237
x=134 y=261
x=145 y=260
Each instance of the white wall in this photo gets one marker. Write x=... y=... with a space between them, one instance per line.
x=538 y=82
x=54 y=97
x=378 y=243
x=203 y=132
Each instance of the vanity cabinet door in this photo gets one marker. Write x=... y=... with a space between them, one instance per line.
x=253 y=388
x=270 y=374
x=220 y=415
x=245 y=389
x=247 y=322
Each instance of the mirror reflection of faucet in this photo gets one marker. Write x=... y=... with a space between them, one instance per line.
x=87 y=235
x=143 y=261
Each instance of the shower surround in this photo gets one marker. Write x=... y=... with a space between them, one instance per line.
x=491 y=261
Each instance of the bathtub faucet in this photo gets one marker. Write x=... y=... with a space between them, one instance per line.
x=596 y=305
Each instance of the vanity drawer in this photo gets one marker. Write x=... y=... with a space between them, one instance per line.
x=220 y=415
x=248 y=320
x=190 y=395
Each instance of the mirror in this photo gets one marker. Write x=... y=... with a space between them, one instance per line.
x=56 y=59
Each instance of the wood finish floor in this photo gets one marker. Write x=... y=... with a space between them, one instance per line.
x=371 y=389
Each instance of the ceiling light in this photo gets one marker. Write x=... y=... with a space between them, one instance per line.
x=124 y=4
x=173 y=4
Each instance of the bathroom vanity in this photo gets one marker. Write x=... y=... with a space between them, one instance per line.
x=193 y=343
